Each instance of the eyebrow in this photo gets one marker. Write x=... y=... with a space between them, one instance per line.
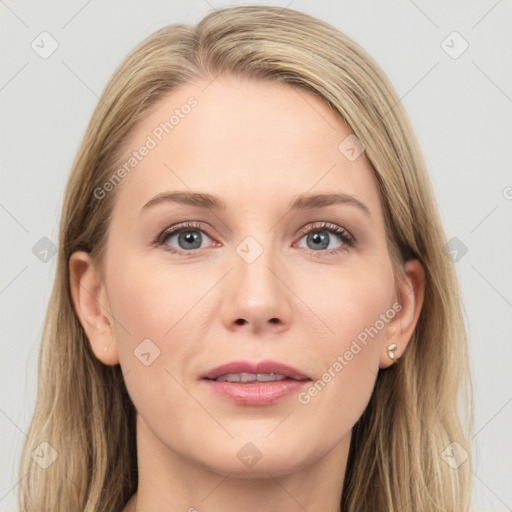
x=211 y=202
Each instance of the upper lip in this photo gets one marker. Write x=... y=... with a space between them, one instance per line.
x=255 y=368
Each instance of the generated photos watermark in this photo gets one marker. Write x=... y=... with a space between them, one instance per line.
x=344 y=359
x=156 y=136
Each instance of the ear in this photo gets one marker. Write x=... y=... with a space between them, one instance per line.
x=409 y=303
x=92 y=307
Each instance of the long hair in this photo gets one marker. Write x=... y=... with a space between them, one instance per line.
x=400 y=448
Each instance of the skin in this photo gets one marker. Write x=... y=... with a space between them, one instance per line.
x=256 y=145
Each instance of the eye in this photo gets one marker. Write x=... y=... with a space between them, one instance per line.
x=319 y=238
x=189 y=237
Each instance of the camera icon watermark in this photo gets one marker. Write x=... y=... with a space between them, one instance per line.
x=44 y=455
x=44 y=45
x=454 y=455
x=454 y=45
x=456 y=249
x=250 y=48
x=249 y=249
x=146 y=352
x=249 y=454
x=351 y=147
x=44 y=250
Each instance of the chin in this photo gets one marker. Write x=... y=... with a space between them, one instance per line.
x=259 y=459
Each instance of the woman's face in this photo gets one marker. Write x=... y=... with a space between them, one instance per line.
x=254 y=280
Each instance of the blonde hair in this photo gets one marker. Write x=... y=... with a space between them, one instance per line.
x=83 y=410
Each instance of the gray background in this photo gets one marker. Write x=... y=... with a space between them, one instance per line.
x=460 y=109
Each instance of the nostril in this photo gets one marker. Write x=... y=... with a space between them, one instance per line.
x=240 y=321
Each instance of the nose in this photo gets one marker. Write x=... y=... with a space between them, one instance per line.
x=256 y=296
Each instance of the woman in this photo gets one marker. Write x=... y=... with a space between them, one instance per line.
x=307 y=351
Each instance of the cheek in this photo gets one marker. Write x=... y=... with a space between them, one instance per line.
x=350 y=304
x=155 y=338
x=156 y=303
x=150 y=298
x=338 y=312
x=357 y=311
x=333 y=324
x=356 y=308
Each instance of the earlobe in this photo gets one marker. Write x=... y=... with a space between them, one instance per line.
x=400 y=330
x=92 y=307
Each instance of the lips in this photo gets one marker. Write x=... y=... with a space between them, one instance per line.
x=248 y=368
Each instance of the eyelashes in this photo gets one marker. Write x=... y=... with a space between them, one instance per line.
x=315 y=229
x=186 y=227
x=326 y=227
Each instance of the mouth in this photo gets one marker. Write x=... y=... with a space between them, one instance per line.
x=247 y=371
x=245 y=378
x=254 y=383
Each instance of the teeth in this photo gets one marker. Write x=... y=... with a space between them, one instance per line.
x=250 y=377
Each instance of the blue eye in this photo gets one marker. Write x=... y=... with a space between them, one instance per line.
x=319 y=235
x=189 y=237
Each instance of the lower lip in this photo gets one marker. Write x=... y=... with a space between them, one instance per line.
x=257 y=393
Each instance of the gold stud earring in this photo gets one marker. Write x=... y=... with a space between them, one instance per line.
x=391 y=351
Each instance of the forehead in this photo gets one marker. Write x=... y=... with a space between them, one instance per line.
x=247 y=141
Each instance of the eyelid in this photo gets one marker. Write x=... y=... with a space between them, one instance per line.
x=183 y=226
x=330 y=228
x=348 y=240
